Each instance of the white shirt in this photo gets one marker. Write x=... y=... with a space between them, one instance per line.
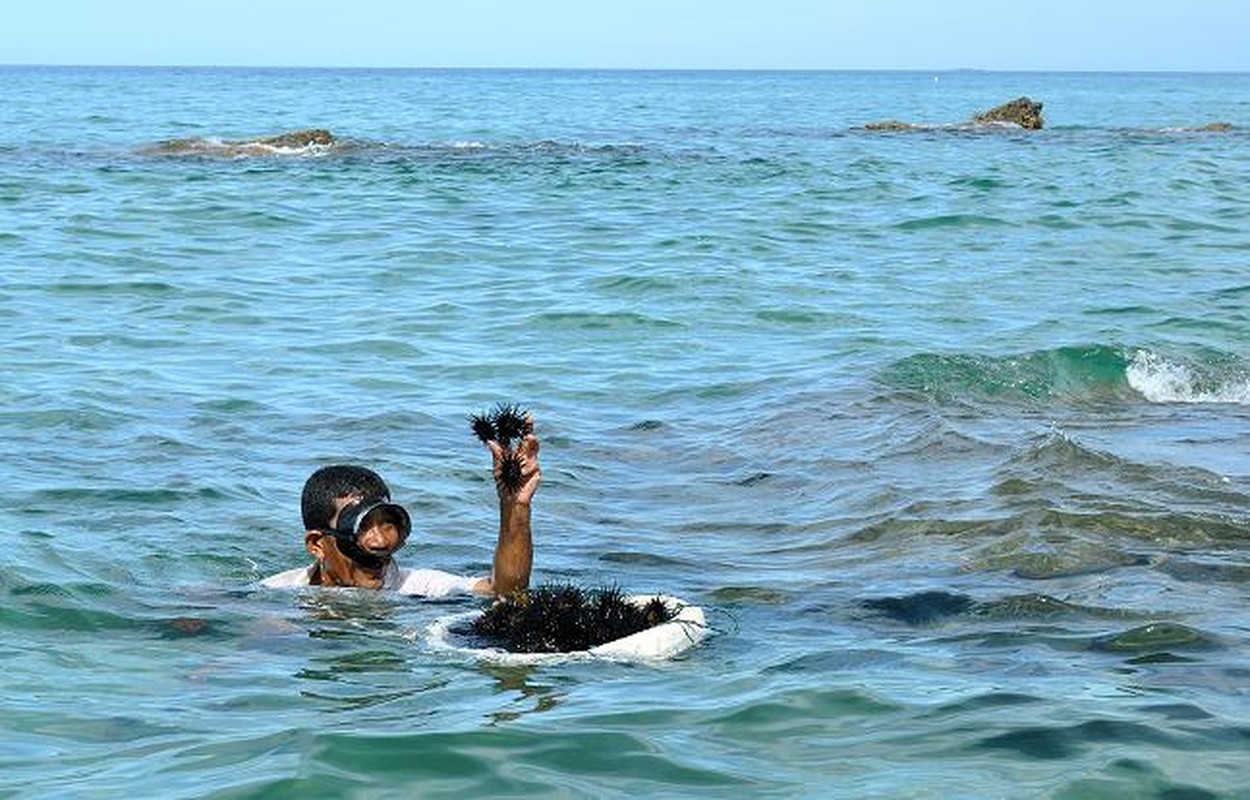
x=423 y=582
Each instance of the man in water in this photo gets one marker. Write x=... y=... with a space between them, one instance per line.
x=353 y=530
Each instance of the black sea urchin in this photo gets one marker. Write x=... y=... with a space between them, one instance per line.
x=565 y=618
x=483 y=426
x=511 y=423
x=511 y=474
x=506 y=423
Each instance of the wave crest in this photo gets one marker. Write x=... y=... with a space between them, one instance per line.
x=1164 y=380
x=1064 y=372
x=1095 y=373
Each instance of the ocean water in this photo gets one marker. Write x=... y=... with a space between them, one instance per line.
x=947 y=429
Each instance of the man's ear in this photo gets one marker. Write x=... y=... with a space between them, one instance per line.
x=314 y=543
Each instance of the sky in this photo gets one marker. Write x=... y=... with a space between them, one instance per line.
x=1129 y=35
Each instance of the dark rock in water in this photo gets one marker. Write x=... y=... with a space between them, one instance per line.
x=1078 y=560
x=298 y=139
x=187 y=626
x=566 y=618
x=750 y=594
x=921 y=608
x=1022 y=111
x=891 y=125
x=1212 y=127
x=1157 y=636
x=295 y=141
x=177 y=147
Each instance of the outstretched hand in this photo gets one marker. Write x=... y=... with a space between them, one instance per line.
x=517 y=472
x=508 y=433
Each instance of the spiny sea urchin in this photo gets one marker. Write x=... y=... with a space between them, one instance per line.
x=506 y=424
x=511 y=474
x=511 y=424
x=561 y=618
x=483 y=426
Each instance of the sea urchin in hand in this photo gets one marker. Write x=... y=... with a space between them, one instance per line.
x=506 y=424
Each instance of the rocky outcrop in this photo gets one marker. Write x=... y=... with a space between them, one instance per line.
x=1022 y=111
x=297 y=139
x=301 y=142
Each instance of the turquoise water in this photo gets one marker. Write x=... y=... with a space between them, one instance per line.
x=946 y=429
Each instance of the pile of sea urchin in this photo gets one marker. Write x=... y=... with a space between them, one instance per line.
x=564 y=618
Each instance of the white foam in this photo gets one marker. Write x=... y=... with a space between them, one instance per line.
x=664 y=641
x=1162 y=381
x=213 y=146
x=258 y=148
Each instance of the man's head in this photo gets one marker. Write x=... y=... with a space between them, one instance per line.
x=351 y=526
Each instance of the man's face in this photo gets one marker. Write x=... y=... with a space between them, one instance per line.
x=363 y=563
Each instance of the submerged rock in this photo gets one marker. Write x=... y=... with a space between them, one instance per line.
x=1156 y=636
x=297 y=139
x=891 y=125
x=1212 y=127
x=311 y=140
x=920 y=608
x=1022 y=111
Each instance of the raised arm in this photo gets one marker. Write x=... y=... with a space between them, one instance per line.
x=514 y=552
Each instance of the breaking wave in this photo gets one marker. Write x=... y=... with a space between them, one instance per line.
x=1095 y=373
x=1164 y=380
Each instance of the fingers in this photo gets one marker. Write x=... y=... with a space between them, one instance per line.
x=517 y=472
x=527 y=450
x=532 y=476
x=496 y=449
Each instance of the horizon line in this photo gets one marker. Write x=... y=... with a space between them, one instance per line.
x=342 y=68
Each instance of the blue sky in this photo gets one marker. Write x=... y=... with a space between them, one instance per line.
x=699 y=34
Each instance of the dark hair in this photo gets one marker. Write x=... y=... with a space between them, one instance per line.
x=331 y=483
